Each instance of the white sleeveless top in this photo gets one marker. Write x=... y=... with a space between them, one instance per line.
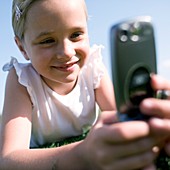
x=55 y=117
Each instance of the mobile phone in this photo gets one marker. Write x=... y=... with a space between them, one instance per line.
x=133 y=59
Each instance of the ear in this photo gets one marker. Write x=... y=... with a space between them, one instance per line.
x=21 y=48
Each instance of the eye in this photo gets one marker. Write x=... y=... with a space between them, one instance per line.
x=47 y=41
x=76 y=35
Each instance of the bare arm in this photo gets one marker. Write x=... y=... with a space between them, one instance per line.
x=105 y=94
x=15 y=136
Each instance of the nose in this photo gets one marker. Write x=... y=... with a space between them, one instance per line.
x=66 y=50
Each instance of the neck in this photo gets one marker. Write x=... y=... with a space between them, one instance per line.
x=61 y=88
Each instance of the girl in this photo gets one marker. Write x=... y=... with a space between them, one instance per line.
x=53 y=97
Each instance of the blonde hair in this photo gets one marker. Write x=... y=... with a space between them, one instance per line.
x=20 y=9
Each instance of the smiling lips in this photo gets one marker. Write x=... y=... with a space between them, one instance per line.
x=66 y=67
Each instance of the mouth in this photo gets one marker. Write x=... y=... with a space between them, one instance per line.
x=67 y=67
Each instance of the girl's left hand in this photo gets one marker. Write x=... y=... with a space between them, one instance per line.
x=159 y=110
x=157 y=107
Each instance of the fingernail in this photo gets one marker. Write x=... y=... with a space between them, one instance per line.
x=147 y=103
x=157 y=121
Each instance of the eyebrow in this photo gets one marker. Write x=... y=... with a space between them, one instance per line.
x=44 y=34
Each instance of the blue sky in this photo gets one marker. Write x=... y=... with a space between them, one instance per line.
x=103 y=14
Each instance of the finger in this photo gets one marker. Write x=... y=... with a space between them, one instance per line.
x=115 y=153
x=108 y=117
x=159 y=82
x=124 y=131
x=156 y=107
x=150 y=167
x=136 y=162
x=160 y=126
x=132 y=148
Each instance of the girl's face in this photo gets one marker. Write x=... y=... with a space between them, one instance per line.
x=56 y=41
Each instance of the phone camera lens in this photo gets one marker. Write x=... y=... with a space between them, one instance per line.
x=123 y=35
x=136 y=31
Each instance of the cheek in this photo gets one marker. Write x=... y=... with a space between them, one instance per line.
x=40 y=60
x=41 y=55
x=85 y=49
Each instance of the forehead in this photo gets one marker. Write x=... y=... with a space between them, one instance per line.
x=60 y=6
x=45 y=15
x=56 y=10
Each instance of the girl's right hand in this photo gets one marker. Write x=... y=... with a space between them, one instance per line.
x=116 y=145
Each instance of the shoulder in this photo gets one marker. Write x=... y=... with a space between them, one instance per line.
x=14 y=89
x=96 y=48
x=19 y=67
x=96 y=52
x=23 y=73
x=12 y=84
x=94 y=68
x=12 y=77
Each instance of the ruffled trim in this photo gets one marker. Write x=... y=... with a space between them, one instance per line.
x=9 y=65
x=22 y=77
x=96 y=62
x=18 y=67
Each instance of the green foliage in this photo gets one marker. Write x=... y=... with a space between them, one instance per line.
x=163 y=161
x=66 y=141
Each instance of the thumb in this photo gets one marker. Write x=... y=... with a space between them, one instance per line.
x=108 y=117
